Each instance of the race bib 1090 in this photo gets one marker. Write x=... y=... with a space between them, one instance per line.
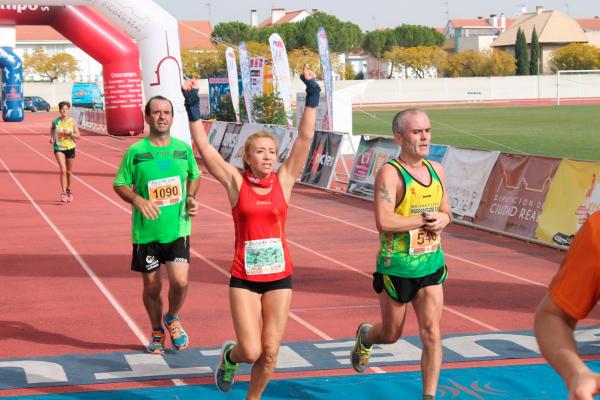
x=165 y=191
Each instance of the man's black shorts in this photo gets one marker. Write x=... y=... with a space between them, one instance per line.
x=68 y=153
x=403 y=290
x=147 y=257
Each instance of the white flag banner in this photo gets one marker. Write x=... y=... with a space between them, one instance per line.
x=246 y=84
x=467 y=172
x=232 y=75
x=281 y=68
x=327 y=77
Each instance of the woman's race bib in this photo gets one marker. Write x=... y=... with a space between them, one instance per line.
x=423 y=241
x=165 y=191
x=264 y=256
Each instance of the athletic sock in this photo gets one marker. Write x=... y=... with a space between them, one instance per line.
x=227 y=358
x=158 y=328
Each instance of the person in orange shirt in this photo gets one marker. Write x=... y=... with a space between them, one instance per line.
x=572 y=295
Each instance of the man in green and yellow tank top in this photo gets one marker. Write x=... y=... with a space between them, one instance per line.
x=411 y=210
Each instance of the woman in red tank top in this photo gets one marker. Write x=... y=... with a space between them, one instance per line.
x=261 y=274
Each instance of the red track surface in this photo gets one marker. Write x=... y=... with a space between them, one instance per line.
x=53 y=303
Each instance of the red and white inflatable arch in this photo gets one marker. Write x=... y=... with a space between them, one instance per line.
x=155 y=32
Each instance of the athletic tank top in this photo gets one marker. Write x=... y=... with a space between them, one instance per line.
x=261 y=252
x=63 y=131
x=416 y=253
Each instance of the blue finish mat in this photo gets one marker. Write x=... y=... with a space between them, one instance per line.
x=524 y=382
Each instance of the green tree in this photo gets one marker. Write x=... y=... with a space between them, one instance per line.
x=376 y=43
x=416 y=35
x=521 y=53
x=349 y=72
x=297 y=58
x=268 y=109
x=233 y=32
x=52 y=68
x=534 y=67
x=342 y=36
x=575 y=56
x=419 y=58
x=288 y=32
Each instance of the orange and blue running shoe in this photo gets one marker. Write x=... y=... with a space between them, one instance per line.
x=157 y=342
x=179 y=337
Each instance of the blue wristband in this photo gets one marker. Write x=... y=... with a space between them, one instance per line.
x=192 y=104
x=313 y=91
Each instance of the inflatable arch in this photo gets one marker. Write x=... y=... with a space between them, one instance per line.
x=12 y=85
x=154 y=30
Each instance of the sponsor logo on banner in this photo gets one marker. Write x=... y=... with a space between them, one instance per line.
x=232 y=75
x=282 y=73
x=515 y=193
x=320 y=166
x=246 y=84
x=370 y=157
x=230 y=140
x=573 y=196
x=327 y=77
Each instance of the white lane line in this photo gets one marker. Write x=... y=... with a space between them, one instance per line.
x=304 y=323
x=112 y=300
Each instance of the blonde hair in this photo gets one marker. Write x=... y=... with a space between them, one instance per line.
x=253 y=138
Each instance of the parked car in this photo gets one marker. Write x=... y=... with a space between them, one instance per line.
x=87 y=95
x=35 y=103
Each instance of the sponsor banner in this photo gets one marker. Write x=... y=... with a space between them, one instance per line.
x=321 y=110
x=515 y=192
x=237 y=156
x=573 y=196
x=467 y=173
x=229 y=141
x=257 y=72
x=437 y=152
x=218 y=88
x=323 y=44
x=232 y=76
x=207 y=125
x=204 y=106
x=370 y=156
x=216 y=133
x=245 y=71
x=281 y=68
x=322 y=158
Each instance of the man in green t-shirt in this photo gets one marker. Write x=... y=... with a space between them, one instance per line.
x=159 y=177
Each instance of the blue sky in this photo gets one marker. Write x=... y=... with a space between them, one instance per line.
x=375 y=13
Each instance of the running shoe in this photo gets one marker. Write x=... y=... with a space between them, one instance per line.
x=360 y=354
x=179 y=337
x=225 y=371
x=63 y=198
x=69 y=196
x=157 y=342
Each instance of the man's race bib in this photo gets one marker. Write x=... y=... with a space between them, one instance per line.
x=423 y=241
x=63 y=134
x=264 y=256
x=165 y=191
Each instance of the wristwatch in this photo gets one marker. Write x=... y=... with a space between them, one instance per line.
x=193 y=196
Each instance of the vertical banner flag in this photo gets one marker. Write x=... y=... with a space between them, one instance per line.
x=257 y=73
x=282 y=73
x=327 y=77
x=233 y=82
x=245 y=71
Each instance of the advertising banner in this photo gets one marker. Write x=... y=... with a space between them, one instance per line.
x=246 y=85
x=323 y=44
x=437 y=152
x=370 y=156
x=230 y=140
x=573 y=196
x=281 y=68
x=322 y=158
x=467 y=173
x=216 y=133
x=257 y=71
x=515 y=193
x=218 y=88
x=232 y=76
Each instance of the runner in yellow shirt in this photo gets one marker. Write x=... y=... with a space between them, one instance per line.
x=63 y=134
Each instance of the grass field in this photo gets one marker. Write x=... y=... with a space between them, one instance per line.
x=566 y=131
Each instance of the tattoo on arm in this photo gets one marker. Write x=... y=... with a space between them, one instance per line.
x=385 y=194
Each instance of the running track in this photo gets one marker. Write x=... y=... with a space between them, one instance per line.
x=67 y=288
